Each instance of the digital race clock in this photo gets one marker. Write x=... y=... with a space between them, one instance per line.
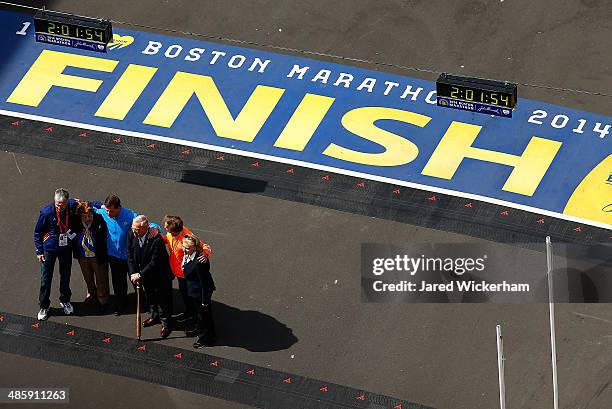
x=73 y=31
x=476 y=94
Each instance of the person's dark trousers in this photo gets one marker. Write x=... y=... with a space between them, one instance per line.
x=64 y=256
x=159 y=299
x=205 y=327
x=119 y=275
x=190 y=310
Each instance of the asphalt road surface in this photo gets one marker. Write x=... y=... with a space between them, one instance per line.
x=288 y=273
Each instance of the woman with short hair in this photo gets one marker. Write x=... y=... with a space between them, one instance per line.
x=200 y=287
x=90 y=251
x=174 y=241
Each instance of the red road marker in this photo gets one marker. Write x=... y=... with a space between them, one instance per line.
x=143 y=347
x=221 y=157
x=106 y=340
x=398 y=406
x=361 y=397
x=290 y=170
x=578 y=229
x=468 y=205
x=433 y=198
x=255 y=165
x=71 y=333
x=49 y=129
x=251 y=371
x=16 y=123
x=36 y=325
x=504 y=213
x=361 y=184
x=1 y=318
x=323 y=389
x=325 y=178
x=117 y=140
x=83 y=134
x=179 y=355
x=185 y=152
x=151 y=146
x=396 y=191
x=287 y=381
x=541 y=221
x=214 y=363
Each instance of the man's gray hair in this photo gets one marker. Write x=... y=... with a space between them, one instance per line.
x=141 y=220
x=61 y=194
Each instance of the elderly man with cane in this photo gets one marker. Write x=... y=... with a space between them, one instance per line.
x=149 y=268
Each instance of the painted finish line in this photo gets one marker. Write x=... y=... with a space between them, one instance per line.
x=546 y=159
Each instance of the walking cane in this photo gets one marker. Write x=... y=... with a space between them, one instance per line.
x=138 y=317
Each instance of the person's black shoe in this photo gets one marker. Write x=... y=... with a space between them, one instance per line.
x=149 y=322
x=182 y=317
x=165 y=332
x=191 y=331
x=200 y=343
x=119 y=310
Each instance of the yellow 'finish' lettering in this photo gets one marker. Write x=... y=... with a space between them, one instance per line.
x=244 y=128
x=528 y=168
x=126 y=91
x=304 y=122
x=46 y=72
x=361 y=122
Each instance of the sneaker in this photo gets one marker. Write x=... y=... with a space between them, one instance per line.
x=68 y=308
x=43 y=314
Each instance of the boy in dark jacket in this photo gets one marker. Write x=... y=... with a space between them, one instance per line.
x=200 y=287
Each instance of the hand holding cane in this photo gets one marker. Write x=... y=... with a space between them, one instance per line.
x=138 y=317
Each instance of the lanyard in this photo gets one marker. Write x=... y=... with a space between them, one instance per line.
x=63 y=227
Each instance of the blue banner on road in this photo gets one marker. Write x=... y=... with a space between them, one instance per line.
x=546 y=158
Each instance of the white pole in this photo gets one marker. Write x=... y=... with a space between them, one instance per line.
x=551 y=310
x=500 y=368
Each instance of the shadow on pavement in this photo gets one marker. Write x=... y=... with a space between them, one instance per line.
x=251 y=330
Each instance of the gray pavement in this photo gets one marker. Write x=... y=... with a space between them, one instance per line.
x=92 y=389
x=282 y=259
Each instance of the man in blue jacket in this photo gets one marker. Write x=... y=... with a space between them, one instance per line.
x=119 y=223
x=53 y=241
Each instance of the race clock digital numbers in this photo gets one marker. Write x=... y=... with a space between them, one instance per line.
x=70 y=26
x=496 y=93
x=67 y=30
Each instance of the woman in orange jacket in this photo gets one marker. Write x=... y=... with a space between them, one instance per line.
x=176 y=232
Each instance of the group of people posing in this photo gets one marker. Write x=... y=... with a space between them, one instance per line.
x=102 y=235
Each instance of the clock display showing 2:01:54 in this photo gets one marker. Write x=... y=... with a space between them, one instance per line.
x=68 y=30
x=479 y=95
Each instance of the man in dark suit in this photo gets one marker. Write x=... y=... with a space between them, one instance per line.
x=148 y=264
x=200 y=287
